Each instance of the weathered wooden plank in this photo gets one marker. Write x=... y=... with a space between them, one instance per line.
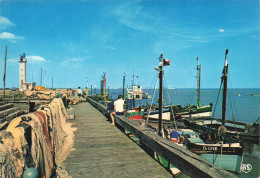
x=113 y=169
x=183 y=159
x=6 y=112
x=6 y=106
x=8 y=118
x=101 y=150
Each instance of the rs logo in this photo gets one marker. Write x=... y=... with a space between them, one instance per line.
x=246 y=168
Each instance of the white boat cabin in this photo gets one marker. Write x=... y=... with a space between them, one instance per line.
x=134 y=93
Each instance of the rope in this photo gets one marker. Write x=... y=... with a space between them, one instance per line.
x=216 y=102
x=147 y=118
x=154 y=78
x=214 y=157
x=171 y=104
x=233 y=117
x=231 y=106
x=221 y=147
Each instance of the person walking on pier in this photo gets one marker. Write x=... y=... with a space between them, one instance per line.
x=118 y=108
x=79 y=91
x=86 y=92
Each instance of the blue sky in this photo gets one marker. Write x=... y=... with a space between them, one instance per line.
x=76 y=41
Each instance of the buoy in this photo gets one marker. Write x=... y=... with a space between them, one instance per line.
x=30 y=173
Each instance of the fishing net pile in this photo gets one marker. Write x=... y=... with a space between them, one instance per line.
x=48 y=95
x=76 y=101
x=40 y=140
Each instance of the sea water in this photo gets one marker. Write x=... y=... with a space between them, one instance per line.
x=242 y=105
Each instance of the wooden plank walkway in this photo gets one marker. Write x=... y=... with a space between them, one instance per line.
x=102 y=150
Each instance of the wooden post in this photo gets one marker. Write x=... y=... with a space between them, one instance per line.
x=45 y=79
x=198 y=81
x=5 y=69
x=105 y=96
x=160 y=95
x=41 y=79
x=91 y=88
x=13 y=95
x=224 y=99
x=124 y=86
x=108 y=92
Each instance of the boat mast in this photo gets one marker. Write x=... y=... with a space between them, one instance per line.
x=105 y=94
x=133 y=82
x=160 y=131
x=108 y=92
x=45 y=79
x=124 y=86
x=102 y=86
x=91 y=89
x=41 y=78
x=198 y=81
x=5 y=69
x=224 y=80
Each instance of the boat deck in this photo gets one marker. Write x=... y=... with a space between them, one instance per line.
x=102 y=150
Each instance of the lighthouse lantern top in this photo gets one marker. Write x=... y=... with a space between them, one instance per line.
x=22 y=58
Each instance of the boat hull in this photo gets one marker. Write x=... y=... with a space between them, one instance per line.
x=226 y=162
x=192 y=111
x=225 y=156
x=197 y=115
x=134 y=114
x=238 y=131
x=165 y=116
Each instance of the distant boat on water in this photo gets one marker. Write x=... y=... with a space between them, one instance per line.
x=193 y=111
x=134 y=102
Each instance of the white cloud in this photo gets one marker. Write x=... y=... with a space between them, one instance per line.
x=9 y=36
x=110 y=47
x=13 y=60
x=198 y=41
x=133 y=16
x=36 y=58
x=5 y=23
x=76 y=59
x=221 y=30
x=185 y=36
x=73 y=62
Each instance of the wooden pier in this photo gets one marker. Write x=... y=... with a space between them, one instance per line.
x=186 y=161
x=102 y=150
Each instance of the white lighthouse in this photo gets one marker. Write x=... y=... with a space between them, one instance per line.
x=22 y=71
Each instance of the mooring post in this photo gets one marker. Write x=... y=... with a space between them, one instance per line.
x=5 y=69
x=160 y=95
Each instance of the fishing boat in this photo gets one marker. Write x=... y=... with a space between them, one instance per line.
x=228 y=129
x=134 y=96
x=194 y=111
x=216 y=150
x=133 y=100
x=154 y=114
x=228 y=156
x=103 y=97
